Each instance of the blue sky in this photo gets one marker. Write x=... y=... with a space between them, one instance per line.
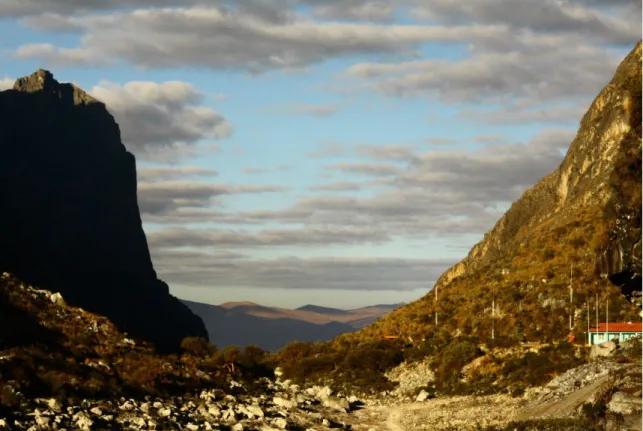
x=341 y=154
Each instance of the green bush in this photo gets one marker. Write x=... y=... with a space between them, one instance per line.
x=450 y=362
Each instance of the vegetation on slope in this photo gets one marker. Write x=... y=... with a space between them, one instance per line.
x=48 y=349
x=580 y=225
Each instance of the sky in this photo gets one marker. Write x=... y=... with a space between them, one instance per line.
x=338 y=153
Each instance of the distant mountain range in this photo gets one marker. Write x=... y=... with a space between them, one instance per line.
x=271 y=328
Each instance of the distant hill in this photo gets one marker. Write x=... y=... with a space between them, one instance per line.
x=243 y=323
x=356 y=318
x=235 y=327
x=322 y=310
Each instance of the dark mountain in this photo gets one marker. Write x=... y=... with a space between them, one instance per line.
x=235 y=327
x=70 y=221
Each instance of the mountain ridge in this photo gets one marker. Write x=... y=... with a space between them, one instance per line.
x=585 y=217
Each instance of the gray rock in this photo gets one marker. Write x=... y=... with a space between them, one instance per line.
x=288 y=404
x=229 y=416
x=57 y=299
x=624 y=403
x=339 y=404
x=214 y=411
x=602 y=350
x=323 y=393
x=256 y=410
x=280 y=423
x=422 y=396
x=83 y=421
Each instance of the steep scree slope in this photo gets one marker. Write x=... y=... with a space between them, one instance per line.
x=70 y=221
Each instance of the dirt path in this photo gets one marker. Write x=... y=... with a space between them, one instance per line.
x=564 y=407
x=395 y=415
x=437 y=414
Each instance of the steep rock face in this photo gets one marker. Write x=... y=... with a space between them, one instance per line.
x=70 y=221
x=590 y=176
x=580 y=225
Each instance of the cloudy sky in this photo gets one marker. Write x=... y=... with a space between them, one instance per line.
x=341 y=153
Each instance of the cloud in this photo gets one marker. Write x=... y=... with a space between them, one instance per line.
x=371 y=169
x=165 y=198
x=339 y=186
x=495 y=173
x=217 y=38
x=254 y=170
x=515 y=115
x=283 y=167
x=306 y=236
x=489 y=139
x=156 y=173
x=441 y=141
x=195 y=268
x=167 y=116
x=6 y=83
x=545 y=16
x=328 y=149
x=360 y=10
x=395 y=152
x=302 y=109
x=535 y=71
x=440 y=193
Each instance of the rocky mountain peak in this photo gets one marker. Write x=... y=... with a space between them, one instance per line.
x=70 y=221
x=43 y=81
x=586 y=178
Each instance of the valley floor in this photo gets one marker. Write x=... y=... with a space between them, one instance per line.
x=448 y=413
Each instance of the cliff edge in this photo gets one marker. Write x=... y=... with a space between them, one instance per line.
x=70 y=221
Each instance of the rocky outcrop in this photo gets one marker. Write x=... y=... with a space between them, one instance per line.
x=70 y=221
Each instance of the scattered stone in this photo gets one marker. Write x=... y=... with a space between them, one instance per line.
x=624 y=403
x=422 y=396
x=280 y=423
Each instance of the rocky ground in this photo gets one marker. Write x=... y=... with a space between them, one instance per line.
x=275 y=405
x=90 y=370
x=272 y=405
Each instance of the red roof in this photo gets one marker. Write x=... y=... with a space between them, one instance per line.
x=619 y=327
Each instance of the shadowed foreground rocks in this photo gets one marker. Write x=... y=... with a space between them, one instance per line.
x=70 y=221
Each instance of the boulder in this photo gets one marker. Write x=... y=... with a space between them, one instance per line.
x=602 y=350
x=624 y=403
x=422 y=396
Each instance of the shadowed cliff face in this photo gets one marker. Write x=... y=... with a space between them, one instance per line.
x=70 y=220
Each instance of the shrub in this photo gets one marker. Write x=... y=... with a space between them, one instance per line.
x=450 y=362
x=548 y=425
x=198 y=346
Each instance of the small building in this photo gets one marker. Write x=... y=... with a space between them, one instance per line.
x=617 y=330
